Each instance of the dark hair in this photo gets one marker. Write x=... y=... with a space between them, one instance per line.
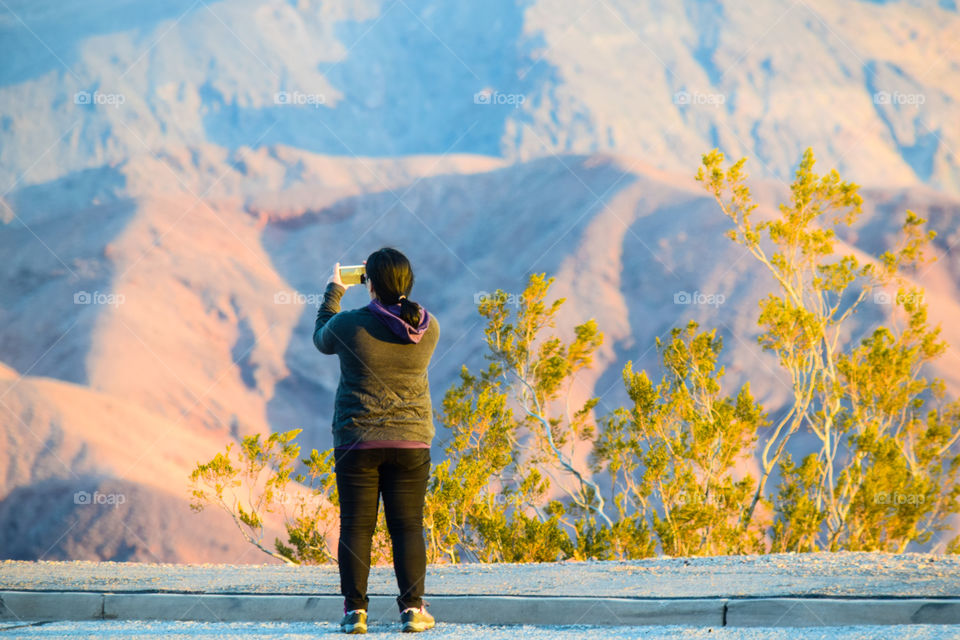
x=392 y=279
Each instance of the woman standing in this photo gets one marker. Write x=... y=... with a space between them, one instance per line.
x=382 y=430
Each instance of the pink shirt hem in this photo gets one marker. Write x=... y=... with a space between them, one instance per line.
x=387 y=444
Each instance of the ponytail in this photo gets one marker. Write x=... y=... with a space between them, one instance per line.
x=392 y=279
x=410 y=311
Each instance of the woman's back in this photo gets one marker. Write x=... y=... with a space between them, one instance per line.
x=384 y=391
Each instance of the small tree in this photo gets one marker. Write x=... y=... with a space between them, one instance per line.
x=466 y=490
x=673 y=454
x=488 y=500
x=537 y=373
x=260 y=478
x=865 y=404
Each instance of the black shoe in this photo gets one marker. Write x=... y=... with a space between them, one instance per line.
x=354 y=621
x=416 y=620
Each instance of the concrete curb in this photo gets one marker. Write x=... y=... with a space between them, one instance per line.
x=818 y=612
x=536 y=610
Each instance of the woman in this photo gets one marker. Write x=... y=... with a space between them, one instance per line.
x=382 y=430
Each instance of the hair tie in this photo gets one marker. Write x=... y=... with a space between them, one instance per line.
x=401 y=298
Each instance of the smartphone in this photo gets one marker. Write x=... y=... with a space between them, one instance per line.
x=353 y=274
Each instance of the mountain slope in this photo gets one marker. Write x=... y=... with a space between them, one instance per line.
x=87 y=475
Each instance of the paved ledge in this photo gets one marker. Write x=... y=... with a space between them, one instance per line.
x=777 y=575
x=787 y=590
x=558 y=610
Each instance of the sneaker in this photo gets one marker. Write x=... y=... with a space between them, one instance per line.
x=416 y=620
x=354 y=621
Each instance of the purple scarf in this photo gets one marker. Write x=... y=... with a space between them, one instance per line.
x=390 y=316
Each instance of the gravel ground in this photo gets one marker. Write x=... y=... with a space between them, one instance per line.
x=304 y=631
x=843 y=574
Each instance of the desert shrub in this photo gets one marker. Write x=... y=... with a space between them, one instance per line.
x=672 y=455
x=259 y=477
x=512 y=440
x=885 y=474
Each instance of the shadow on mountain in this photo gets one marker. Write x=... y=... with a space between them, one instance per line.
x=39 y=39
x=57 y=250
x=107 y=519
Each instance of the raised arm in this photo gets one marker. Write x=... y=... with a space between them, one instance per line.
x=323 y=337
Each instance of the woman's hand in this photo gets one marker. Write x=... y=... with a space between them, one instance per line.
x=335 y=277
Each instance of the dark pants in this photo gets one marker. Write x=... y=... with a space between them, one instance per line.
x=400 y=476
